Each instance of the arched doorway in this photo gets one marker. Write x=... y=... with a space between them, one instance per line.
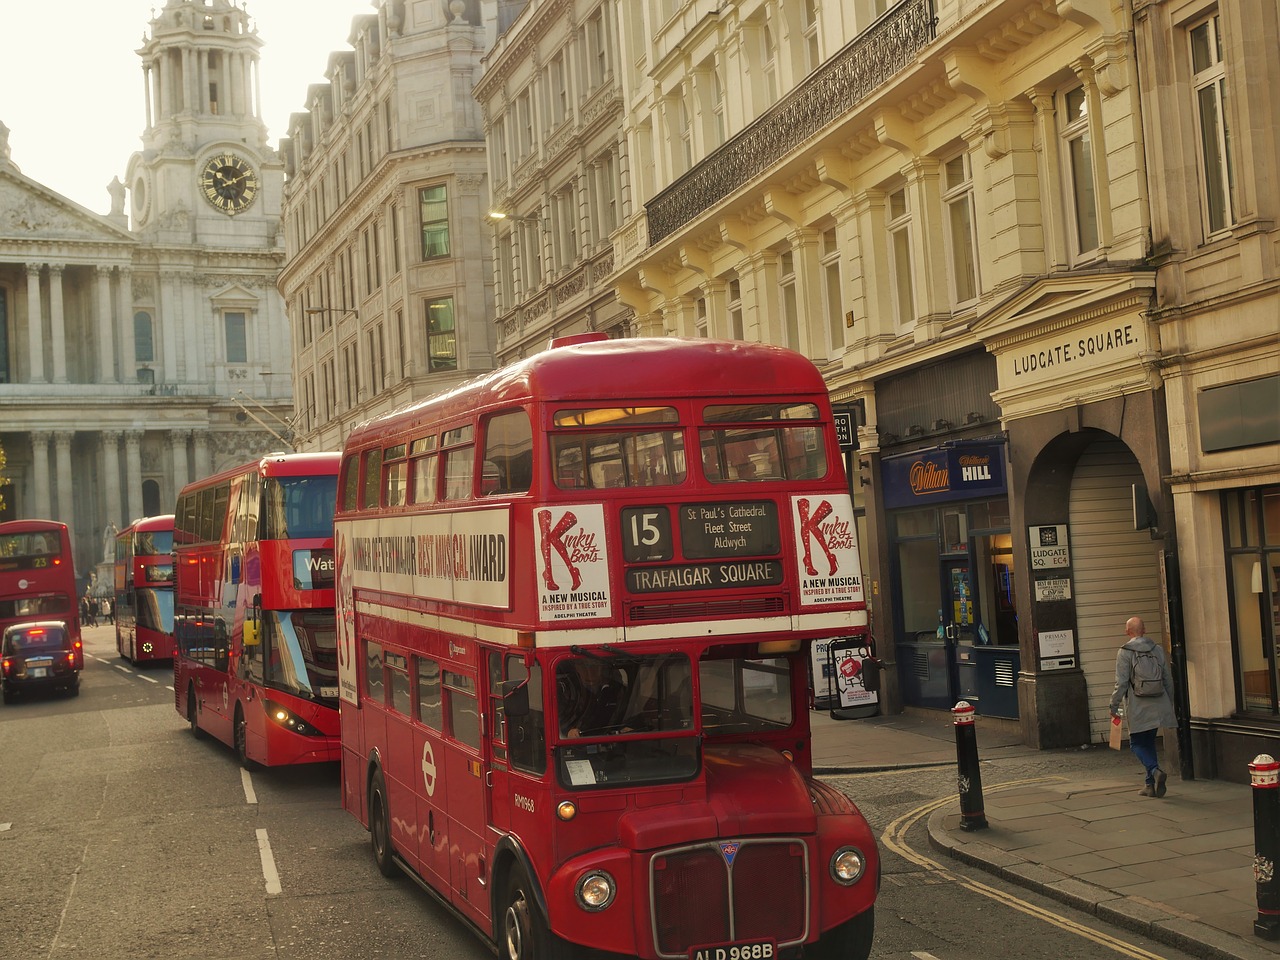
x=151 y=500
x=1115 y=569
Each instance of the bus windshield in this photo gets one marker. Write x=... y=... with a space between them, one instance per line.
x=298 y=653
x=644 y=704
x=153 y=543
x=300 y=508
x=28 y=551
x=745 y=695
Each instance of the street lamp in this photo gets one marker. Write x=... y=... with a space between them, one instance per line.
x=500 y=215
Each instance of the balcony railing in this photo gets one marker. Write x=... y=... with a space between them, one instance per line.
x=873 y=58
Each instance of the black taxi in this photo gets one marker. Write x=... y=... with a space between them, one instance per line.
x=41 y=655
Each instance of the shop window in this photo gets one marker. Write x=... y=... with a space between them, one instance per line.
x=1252 y=535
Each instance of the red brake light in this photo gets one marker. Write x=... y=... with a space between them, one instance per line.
x=57 y=561
x=71 y=656
x=35 y=633
x=78 y=644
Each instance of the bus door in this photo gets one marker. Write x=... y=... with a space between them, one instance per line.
x=465 y=796
x=518 y=744
x=428 y=784
x=400 y=763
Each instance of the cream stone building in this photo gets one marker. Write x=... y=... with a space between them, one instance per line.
x=1031 y=245
x=386 y=277
x=147 y=347
x=553 y=106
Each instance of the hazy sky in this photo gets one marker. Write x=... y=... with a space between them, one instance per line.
x=71 y=89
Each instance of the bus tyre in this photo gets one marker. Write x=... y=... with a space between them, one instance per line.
x=380 y=826
x=524 y=934
x=849 y=941
x=192 y=719
x=240 y=733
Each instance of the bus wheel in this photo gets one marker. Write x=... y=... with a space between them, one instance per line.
x=849 y=941
x=524 y=934
x=380 y=826
x=240 y=733
x=192 y=720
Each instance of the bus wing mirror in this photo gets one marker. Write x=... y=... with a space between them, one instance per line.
x=515 y=698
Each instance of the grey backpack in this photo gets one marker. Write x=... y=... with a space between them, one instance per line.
x=1148 y=675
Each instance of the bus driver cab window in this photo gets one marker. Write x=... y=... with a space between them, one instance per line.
x=589 y=697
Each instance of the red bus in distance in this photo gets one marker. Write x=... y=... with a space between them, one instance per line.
x=256 y=662
x=574 y=603
x=144 y=590
x=37 y=576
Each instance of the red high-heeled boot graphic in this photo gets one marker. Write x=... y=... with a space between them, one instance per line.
x=809 y=527
x=554 y=537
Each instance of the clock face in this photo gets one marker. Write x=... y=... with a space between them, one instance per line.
x=229 y=183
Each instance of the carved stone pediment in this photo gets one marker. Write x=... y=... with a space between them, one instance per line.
x=31 y=212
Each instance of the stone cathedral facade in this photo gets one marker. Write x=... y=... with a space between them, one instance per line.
x=147 y=347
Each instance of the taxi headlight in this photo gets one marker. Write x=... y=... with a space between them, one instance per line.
x=596 y=891
x=847 y=865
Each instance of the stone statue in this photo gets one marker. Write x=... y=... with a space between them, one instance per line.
x=109 y=543
x=116 y=189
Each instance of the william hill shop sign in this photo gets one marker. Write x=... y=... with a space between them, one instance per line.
x=963 y=471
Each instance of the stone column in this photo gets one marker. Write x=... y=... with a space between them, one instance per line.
x=166 y=326
x=35 y=326
x=62 y=476
x=146 y=91
x=58 y=323
x=178 y=441
x=200 y=440
x=106 y=339
x=133 y=473
x=124 y=310
x=40 y=473
x=111 y=477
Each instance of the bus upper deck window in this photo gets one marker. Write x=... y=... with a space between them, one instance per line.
x=508 y=454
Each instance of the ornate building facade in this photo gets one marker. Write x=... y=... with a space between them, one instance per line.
x=1032 y=247
x=147 y=347
x=387 y=277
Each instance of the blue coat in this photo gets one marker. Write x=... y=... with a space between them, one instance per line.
x=1143 y=713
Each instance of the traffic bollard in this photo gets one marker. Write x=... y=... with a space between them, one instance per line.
x=968 y=777
x=1265 y=773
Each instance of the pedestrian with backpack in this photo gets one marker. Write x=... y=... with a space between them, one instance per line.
x=1145 y=687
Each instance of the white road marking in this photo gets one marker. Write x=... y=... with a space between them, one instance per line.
x=923 y=955
x=247 y=783
x=122 y=669
x=268 y=864
x=170 y=688
x=148 y=679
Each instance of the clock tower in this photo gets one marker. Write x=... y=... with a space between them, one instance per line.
x=205 y=174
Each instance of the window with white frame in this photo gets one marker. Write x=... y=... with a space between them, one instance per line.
x=769 y=66
x=499 y=167
x=734 y=308
x=899 y=226
x=790 y=306
x=557 y=90
x=710 y=99
x=957 y=197
x=506 y=272
x=829 y=250
x=434 y=207
x=1077 y=153
x=442 y=344
x=1209 y=81
x=395 y=240
x=679 y=133
x=399 y=334
x=564 y=222
x=700 y=317
x=524 y=125
x=531 y=256
x=596 y=60
x=810 y=31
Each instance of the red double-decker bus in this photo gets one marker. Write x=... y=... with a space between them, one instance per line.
x=37 y=576
x=144 y=590
x=256 y=662
x=574 y=603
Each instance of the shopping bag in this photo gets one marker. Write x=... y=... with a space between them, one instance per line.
x=1116 y=723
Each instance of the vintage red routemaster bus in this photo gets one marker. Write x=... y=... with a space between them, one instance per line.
x=256 y=662
x=37 y=577
x=574 y=602
x=144 y=590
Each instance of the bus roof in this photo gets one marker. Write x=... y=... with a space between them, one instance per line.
x=601 y=371
x=276 y=465
x=163 y=521
x=31 y=526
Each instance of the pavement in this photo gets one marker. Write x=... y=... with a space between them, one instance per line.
x=1177 y=869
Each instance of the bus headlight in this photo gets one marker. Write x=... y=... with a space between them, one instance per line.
x=847 y=865
x=285 y=718
x=596 y=891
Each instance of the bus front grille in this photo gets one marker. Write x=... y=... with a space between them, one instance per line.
x=697 y=609
x=725 y=892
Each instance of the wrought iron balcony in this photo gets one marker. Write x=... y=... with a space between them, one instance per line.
x=870 y=60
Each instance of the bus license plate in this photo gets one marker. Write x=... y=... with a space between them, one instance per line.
x=755 y=950
x=37 y=672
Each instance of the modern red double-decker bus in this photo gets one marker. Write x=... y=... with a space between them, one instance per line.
x=37 y=576
x=144 y=590
x=256 y=662
x=574 y=603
